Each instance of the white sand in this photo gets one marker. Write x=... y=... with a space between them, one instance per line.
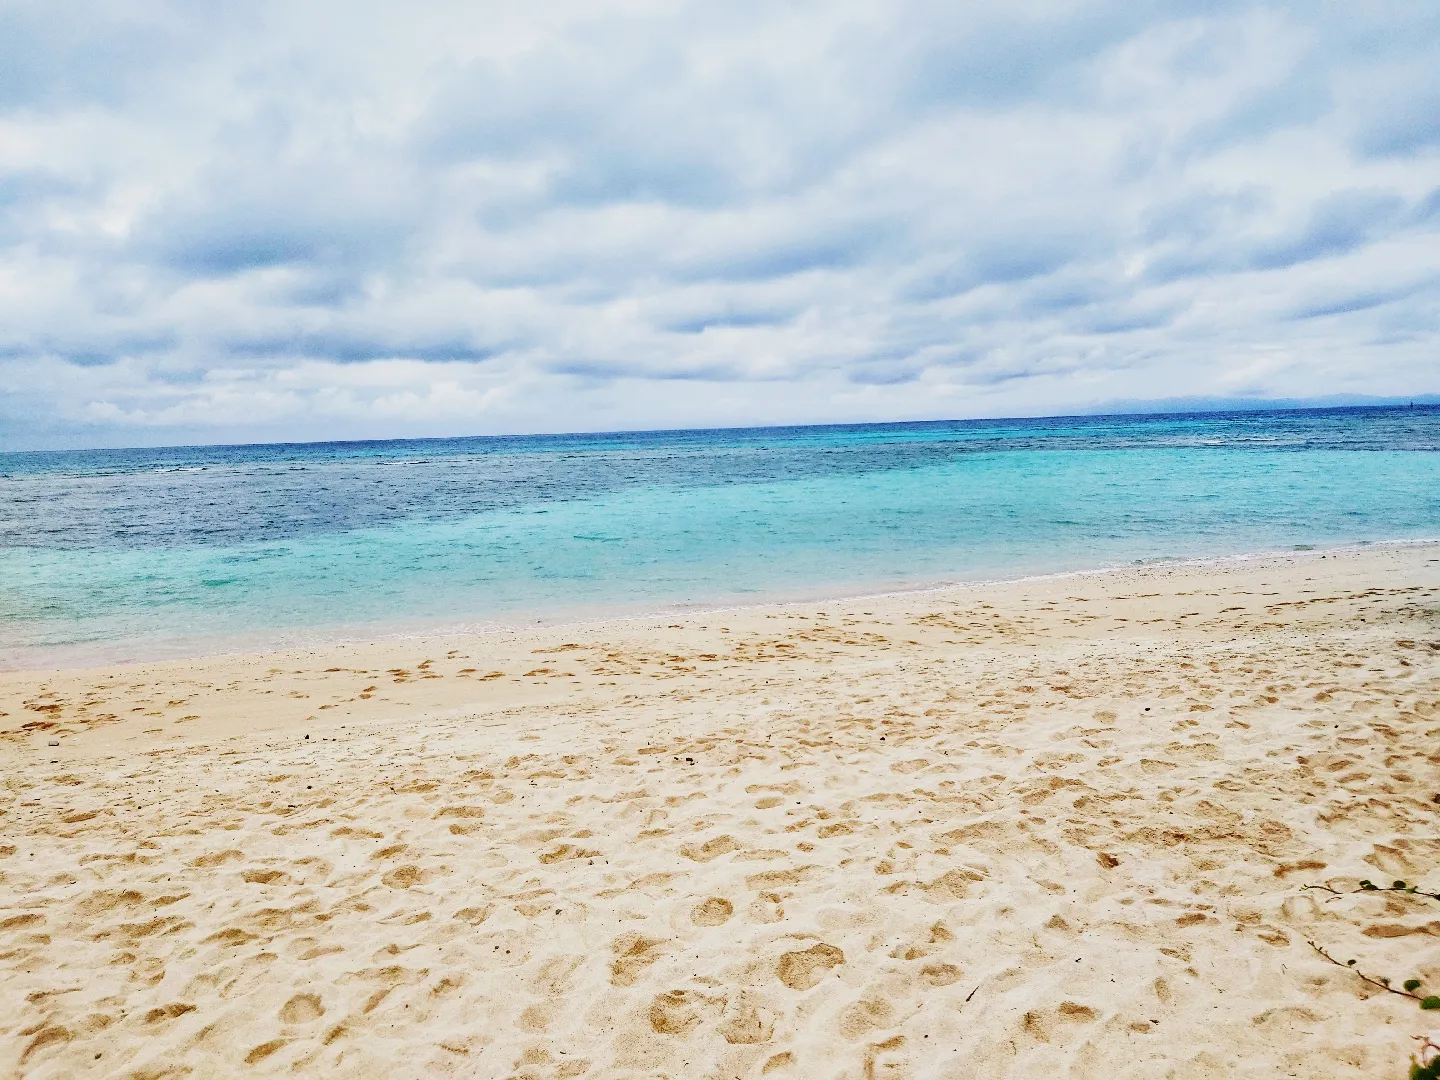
x=1056 y=827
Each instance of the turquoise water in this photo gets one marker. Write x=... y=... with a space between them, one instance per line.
x=118 y=553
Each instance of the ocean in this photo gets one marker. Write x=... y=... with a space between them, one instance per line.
x=109 y=555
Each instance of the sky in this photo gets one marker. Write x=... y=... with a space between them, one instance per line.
x=280 y=221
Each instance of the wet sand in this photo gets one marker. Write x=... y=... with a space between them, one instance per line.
x=1063 y=825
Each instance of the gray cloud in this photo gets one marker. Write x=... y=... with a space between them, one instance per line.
x=351 y=348
x=316 y=220
x=1337 y=224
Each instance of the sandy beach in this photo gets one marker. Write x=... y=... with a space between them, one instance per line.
x=1061 y=826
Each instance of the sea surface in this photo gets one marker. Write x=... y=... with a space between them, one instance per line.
x=117 y=554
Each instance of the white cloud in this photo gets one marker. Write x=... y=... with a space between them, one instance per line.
x=308 y=221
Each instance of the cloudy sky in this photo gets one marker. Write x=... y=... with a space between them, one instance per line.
x=325 y=220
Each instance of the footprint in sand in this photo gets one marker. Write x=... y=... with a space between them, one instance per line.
x=711 y=849
x=744 y=1022
x=803 y=969
x=1046 y=1025
x=302 y=1009
x=864 y=1016
x=536 y=1019
x=674 y=1012
x=405 y=877
x=939 y=974
x=767 y=908
x=713 y=912
x=633 y=954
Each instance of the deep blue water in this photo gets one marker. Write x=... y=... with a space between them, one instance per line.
x=146 y=551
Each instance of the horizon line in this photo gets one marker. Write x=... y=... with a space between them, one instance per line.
x=1130 y=409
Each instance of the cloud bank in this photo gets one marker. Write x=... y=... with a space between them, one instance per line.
x=223 y=222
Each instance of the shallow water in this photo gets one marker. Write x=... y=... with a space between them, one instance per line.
x=143 y=552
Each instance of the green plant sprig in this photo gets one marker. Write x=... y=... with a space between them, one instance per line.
x=1368 y=886
x=1408 y=987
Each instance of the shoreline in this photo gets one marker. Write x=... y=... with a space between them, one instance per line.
x=108 y=654
x=321 y=684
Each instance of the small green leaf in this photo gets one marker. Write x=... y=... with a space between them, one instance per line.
x=1412 y=984
x=1431 y=1002
x=1398 y=885
x=1367 y=885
